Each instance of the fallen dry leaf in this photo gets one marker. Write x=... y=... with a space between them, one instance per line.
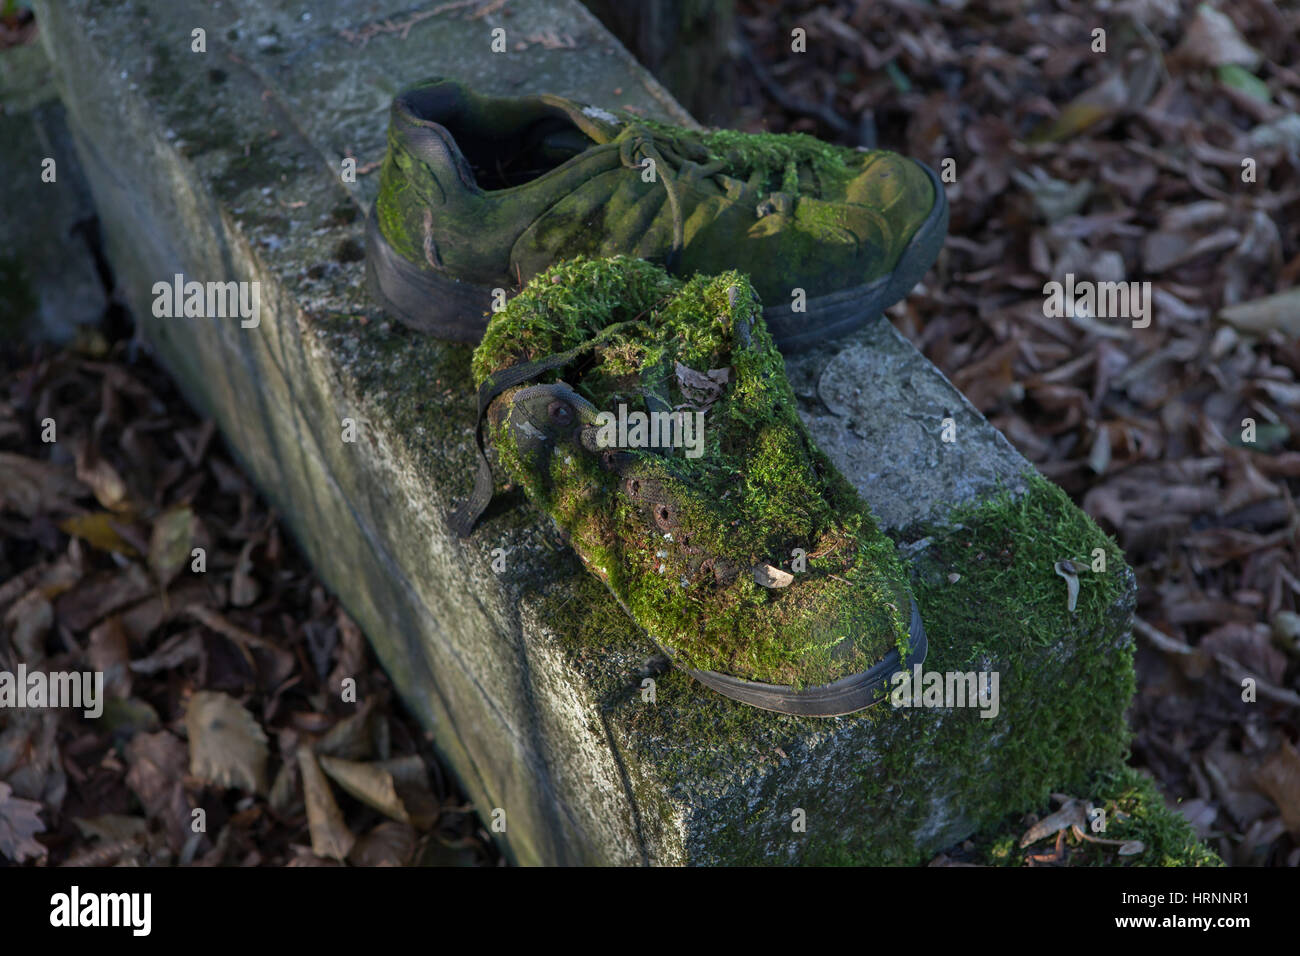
x=227 y=746
x=31 y=487
x=103 y=480
x=330 y=836
x=20 y=821
x=388 y=844
x=170 y=543
x=369 y=783
x=1211 y=39
x=113 y=827
x=157 y=767
x=1065 y=570
x=1071 y=814
x=244 y=588
x=29 y=620
x=411 y=778
x=99 y=529
x=1279 y=777
x=107 y=651
x=1278 y=312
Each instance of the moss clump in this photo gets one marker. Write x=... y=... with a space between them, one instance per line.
x=1062 y=692
x=676 y=537
x=1009 y=547
x=1134 y=811
x=918 y=780
x=775 y=158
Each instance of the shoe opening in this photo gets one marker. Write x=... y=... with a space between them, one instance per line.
x=507 y=142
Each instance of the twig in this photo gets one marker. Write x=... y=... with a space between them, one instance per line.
x=793 y=103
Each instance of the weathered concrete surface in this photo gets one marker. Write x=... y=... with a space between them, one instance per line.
x=49 y=284
x=224 y=166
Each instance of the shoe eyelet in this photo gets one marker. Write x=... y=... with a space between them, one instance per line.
x=664 y=517
x=721 y=573
x=560 y=412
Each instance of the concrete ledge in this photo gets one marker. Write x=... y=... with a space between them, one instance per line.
x=225 y=166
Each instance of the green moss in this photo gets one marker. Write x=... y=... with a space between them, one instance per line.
x=808 y=215
x=926 y=778
x=1009 y=546
x=776 y=158
x=676 y=537
x=400 y=199
x=1134 y=811
x=1062 y=692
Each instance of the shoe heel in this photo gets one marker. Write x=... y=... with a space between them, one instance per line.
x=437 y=305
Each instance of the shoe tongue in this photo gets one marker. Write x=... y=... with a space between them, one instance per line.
x=601 y=125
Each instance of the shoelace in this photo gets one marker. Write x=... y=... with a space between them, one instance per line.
x=464 y=518
x=636 y=144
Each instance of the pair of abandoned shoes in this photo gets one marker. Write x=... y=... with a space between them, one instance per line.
x=649 y=414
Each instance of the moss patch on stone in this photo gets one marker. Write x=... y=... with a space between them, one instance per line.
x=1133 y=810
x=930 y=777
x=675 y=537
x=1062 y=695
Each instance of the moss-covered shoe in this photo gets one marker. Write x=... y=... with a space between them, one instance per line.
x=652 y=420
x=481 y=193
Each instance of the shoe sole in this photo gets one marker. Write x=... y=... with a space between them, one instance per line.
x=845 y=696
x=426 y=301
x=447 y=308
x=839 y=313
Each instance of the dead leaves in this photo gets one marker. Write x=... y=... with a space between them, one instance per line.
x=100 y=529
x=397 y=788
x=31 y=487
x=1123 y=166
x=701 y=389
x=1066 y=571
x=156 y=776
x=770 y=576
x=104 y=481
x=388 y=844
x=130 y=546
x=1075 y=817
x=1279 y=312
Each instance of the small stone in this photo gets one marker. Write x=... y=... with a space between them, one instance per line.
x=771 y=577
x=954 y=577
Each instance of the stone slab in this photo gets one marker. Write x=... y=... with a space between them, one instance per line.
x=225 y=166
